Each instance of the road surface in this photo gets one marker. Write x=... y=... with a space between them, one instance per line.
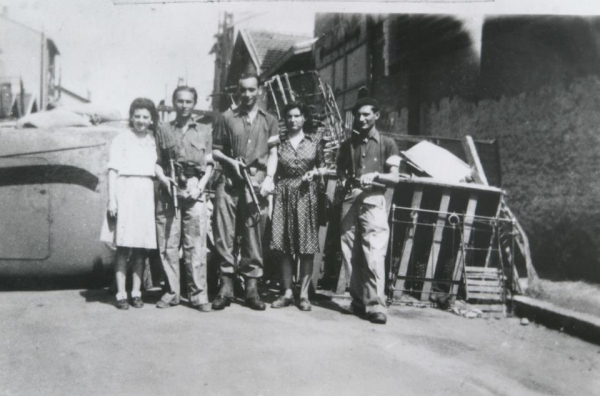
x=75 y=342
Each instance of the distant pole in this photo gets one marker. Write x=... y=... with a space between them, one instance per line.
x=42 y=74
x=22 y=112
x=60 y=83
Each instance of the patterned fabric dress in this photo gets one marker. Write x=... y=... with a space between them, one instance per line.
x=295 y=225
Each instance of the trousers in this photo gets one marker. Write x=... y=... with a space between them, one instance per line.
x=364 y=233
x=234 y=215
x=188 y=231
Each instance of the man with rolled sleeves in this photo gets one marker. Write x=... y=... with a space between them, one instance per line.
x=365 y=159
x=187 y=146
x=244 y=137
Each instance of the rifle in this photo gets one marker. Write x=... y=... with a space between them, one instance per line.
x=174 y=187
x=353 y=182
x=248 y=182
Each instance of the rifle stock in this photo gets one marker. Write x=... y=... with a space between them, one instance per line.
x=248 y=183
x=174 y=188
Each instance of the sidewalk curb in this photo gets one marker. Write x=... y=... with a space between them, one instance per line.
x=584 y=326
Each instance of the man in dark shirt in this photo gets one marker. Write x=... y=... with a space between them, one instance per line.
x=365 y=158
x=246 y=136
x=186 y=144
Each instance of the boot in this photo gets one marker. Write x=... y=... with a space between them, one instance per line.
x=225 y=294
x=252 y=298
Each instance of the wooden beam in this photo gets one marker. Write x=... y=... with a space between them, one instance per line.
x=466 y=238
x=408 y=242
x=474 y=160
x=436 y=245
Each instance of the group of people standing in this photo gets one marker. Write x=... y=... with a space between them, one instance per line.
x=247 y=143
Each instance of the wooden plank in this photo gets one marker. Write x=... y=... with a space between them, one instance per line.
x=483 y=270
x=483 y=277
x=491 y=307
x=408 y=241
x=495 y=231
x=436 y=244
x=490 y=282
x=474 y=160
x=319 y=262
x=485 y=289
x=485 y=296
x=466 y=238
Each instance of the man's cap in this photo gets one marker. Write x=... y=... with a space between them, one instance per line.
x=366 y=101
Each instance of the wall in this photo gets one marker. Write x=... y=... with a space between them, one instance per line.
x=550 y=155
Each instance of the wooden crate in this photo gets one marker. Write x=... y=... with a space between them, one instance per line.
x=436 y=230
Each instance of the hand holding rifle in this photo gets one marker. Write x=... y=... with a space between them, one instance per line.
x=248 y=182
x=369 y=180
x=237 y=165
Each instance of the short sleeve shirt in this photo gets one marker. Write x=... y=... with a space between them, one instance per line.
x=359 y=156
x=236 y=137
x=132 y=154
x=296 y=162
x=189 y=143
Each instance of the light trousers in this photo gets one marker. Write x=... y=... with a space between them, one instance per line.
x=364 y=235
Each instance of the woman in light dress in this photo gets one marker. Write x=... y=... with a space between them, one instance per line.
x=131 y=197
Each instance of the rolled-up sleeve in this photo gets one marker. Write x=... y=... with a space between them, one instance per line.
x=393 y=154
x=273 y=132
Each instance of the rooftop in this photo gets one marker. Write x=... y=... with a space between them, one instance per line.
x=268 y=47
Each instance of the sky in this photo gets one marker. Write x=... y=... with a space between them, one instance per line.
x=122 y=51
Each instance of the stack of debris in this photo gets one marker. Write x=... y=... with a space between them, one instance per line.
x=453 y=237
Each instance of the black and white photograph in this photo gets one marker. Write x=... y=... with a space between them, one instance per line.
x=299 y=197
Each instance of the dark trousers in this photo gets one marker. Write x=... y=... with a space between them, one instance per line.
x=235 y=215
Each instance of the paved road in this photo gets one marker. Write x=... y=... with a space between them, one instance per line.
x=76 y=343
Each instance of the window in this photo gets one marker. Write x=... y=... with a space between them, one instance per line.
x=357 y=67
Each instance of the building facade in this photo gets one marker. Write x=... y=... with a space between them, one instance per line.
x=28 y=78
x=531 y=83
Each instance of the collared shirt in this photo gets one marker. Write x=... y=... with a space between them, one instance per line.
x=133 y=155
x=295 y=162
x=236 y=137
x=189 y=143
x=359 y=155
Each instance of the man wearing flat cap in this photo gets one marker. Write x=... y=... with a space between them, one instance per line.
x=368 y=162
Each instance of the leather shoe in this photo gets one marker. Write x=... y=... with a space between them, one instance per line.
x=167 y=301
x=353 y=309
x=137 y=302
x=304 y=305
x=377 y=318
x=220 y=303
x=203 y=307
x=255 y=304
x=122 y=304
x=282 y=302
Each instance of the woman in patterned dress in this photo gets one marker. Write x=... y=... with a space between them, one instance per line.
x=295 y=224
x=131 y=197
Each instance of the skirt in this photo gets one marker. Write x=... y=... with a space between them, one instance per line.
x=294 y=226
x=136 y=225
